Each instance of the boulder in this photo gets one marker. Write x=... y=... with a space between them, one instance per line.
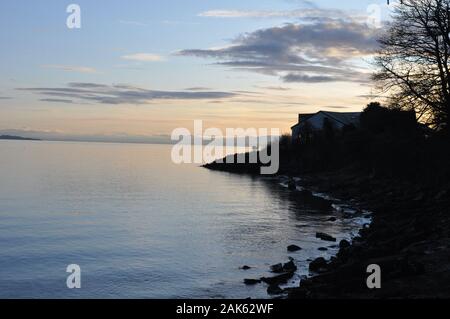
x=278 y=268
x=279 y=279
x=325 y=237
x=252 y=281
x=274 y=290
x=245 y=267
x=293 y=248
x=318 y=264
x=289 y=267
x=344 y=244
x=292 y=185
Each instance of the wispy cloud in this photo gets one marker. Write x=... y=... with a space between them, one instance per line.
x=5 y=98
x=70 y=68
x=119 y=94
x=198 y=88
x=143 y=57
x=321 y=50
x=57 y=101
x=308 y=13
x=274 y=88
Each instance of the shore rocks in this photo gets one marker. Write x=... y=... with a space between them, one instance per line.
x=292 y=185
x=278 y=280
x=278 y=268
x=293 y=248
x=251 y=282
x=318 y=265
x=289 y=266
x=344 y=244
x=325 y=237
x=274 y=290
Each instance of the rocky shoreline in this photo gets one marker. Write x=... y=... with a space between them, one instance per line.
x=409 y=238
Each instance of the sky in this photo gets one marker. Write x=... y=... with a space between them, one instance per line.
x=144 y=68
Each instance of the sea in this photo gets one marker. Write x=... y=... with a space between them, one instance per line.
x=140 y=226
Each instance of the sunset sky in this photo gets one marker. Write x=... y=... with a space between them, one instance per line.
x=144 y=68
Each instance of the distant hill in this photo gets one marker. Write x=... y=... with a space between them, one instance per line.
x=17 y=138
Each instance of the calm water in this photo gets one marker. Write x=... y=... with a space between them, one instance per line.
x=142 y=227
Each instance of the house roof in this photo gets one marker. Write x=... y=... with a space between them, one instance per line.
x=345 y=118
x=304 y=117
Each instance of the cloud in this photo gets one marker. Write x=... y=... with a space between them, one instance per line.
x=304 y=13
x=274 y=88
x=57 y=101
x=143 y=57
x=197 y=88
x=335 y=107
x=322 y=50
x=119 y=94
x=369 y=96
x=70 y=68
x=5 y=98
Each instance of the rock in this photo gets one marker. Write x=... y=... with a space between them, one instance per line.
x=332 y=219
x=274 y=290
x=277 y=280
x=289 y=267
x=323 y=249
x=317 y=264
x=344 y=244
x=245 y=267
x=325 y=237
x=252 y=281
x=293 y=248
x=306 y=193
x=278 y=268
x=292 y=185
x=303 y=277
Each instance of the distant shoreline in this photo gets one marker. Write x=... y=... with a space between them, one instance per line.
x=17 y=138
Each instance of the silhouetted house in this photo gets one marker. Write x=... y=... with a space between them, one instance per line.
x=314 y=122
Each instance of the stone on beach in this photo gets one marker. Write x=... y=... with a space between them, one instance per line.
x=274 y=290
x=325 y=237
x=289 y=266
x=279 y=279
x=278 y=268
x=293 y=248
x=252 y=281
x=318 y=264
x=292 y=185
x=344 y=244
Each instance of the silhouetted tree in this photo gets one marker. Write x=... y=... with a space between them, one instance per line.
x=413 y=60
x=377 y=119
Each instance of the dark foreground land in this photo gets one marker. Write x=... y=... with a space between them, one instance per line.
x=409 y=238
x=403 y=178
